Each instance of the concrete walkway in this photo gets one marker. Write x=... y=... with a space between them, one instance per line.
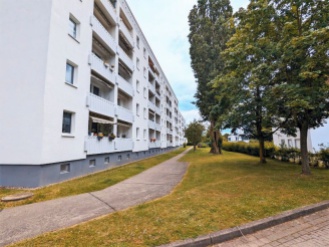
x=28 y=221
x=311 y=230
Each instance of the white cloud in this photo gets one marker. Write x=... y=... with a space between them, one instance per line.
x=191 y=115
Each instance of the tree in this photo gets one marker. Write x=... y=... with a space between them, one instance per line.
x=209 y=32
x=302 y=90
x=193 y=133
x=250 y=56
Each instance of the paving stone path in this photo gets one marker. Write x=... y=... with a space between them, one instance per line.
x=309 y=231
x=28 y=221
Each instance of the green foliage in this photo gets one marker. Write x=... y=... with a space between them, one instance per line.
x=251 y=148
x=193 y=133
x=276 y=69
x=210 y=29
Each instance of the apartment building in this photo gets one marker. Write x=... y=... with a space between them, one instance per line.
x=317 y=138
x=81 y=91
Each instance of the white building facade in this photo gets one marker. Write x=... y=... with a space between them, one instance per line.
x=317 y=138
x=75 y=74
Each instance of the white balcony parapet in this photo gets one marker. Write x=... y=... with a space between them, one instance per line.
x=128 y=35
x=101 y=68
x=95 y=146
x=151 y=87
x=151 y=106
x=154 y=125
x=156 y=144
x=125 y=114
x=103 y=33
x=125 y=86
x=123 y=144
x=110 y=8
x=126 y=59
x=100 y=105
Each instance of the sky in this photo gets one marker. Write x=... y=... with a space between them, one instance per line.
x=165 y=26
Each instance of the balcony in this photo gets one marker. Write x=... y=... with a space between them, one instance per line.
x=109 y=8
x=100 y=30
x=151 y=87
x=104 y=145
x=123 y=144
x=125 y=86
x=124 y=114
x=156 y=144
x=128 y=35
x=154 y=125
x=95 y=146
x=100 y=105
x=151 y=106
x=101 y=68
x=126 y=59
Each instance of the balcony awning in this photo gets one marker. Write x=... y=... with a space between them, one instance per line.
x=101 y=121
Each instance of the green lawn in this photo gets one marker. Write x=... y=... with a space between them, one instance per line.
x=88 y=183
x=218 y=192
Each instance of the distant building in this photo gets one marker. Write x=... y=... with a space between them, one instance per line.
x=316 y=137
x=81 y=91
x=237 y=136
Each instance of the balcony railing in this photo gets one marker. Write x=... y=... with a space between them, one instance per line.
x=126 y=59
x=95 y=146
x=104 y=145
x=125 y=114
x=125 y=86
x=103 y=33
x=123 y=144
x=156 y=144
x=154 y=125
x=100 y=105
x=110 y=8
x=128 y=34
x=151 y=106
x=101 y=68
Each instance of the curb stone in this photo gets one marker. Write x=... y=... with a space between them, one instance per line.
x=249 y=228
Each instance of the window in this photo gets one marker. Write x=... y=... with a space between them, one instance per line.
x=64 y=168
x=144 y=134
x=95 y=90
x=137 y=41
x=137 y=86
x=137 y=63
x=144 y=72
x=119 y=157
x=137 y=109
x=144 y=92
x=67 y=122
x=128 y=156
x=69 y=77
x=107 y=160
x=144 y=113
x=137 y=134
x=92 y=163
x=73 y=27
x=144 y=52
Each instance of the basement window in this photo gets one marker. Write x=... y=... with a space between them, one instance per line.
x=65 y=168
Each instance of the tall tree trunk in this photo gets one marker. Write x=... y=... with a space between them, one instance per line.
x=303 y=149
x=262 y=158
x=259 y=123
x=194 y=147
x=214 y=136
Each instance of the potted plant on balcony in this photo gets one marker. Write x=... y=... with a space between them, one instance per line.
x=100 y=136
x=111 y=137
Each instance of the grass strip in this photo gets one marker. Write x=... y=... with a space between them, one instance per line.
x=218 y=192
x=89 y=183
